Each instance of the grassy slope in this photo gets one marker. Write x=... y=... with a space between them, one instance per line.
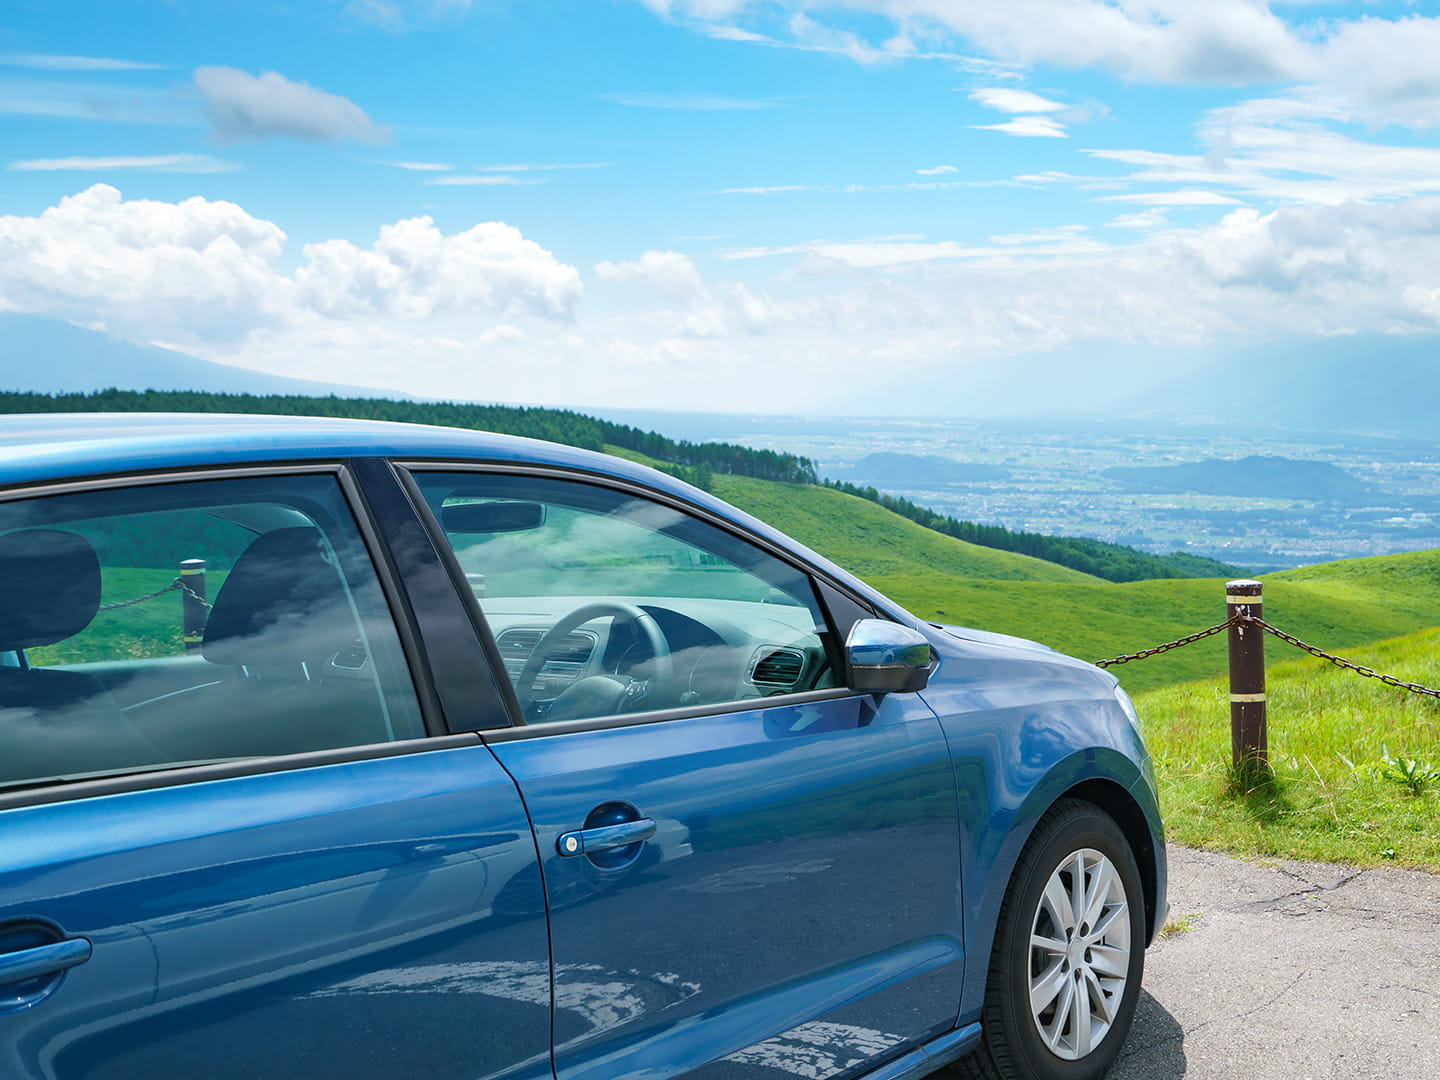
x=1333 y=798
x=874 y=543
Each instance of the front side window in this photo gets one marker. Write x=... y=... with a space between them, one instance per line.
x=605 y=603
x=176 y=624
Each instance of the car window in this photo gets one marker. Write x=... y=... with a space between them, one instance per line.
x=604 y=603
x=172 y=624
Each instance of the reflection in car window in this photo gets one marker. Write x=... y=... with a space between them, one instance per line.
x=605 y=603
x=293 y=648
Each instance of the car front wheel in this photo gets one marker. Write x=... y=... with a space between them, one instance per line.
x=1069 y=953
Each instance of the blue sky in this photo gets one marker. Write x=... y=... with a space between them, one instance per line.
x=672 y=202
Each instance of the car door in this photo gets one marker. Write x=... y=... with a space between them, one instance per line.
x=248 y=859
x=749 y=867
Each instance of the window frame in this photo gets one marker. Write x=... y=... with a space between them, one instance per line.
x=824 y=586
x=396 y=602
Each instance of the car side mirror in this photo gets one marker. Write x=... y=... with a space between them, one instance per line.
x=885 y=657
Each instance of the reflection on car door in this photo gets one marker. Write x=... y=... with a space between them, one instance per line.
x=794 y=908
x=378 y=918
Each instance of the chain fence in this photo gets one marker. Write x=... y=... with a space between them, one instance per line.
x=1289 y=639
x=175 y=586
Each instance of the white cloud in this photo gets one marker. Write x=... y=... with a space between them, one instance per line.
x=398 y=15
x=244 y=106
x=1277 y=149
x=1386 y=66
x=938 y=170
x=87 y=99
x=193 y=269
x=166 y=163
x=413 y=271
x=704 y=311
x=1015 y=101
x=1147 y=220
x=1042 y=127
x=488 y=180
x=685 y=102
x=208 y=274
x=418 y=166
x=544 y=167
x=46 y=62
x=1186 y=197
x=1230 y=42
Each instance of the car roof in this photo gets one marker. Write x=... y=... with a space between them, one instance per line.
x=40 y=447
x=52 y=446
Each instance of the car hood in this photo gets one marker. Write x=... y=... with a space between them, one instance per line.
x=966 y=633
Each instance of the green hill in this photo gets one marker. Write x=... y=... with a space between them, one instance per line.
x=875 y=543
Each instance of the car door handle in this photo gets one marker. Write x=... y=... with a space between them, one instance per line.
x=28 y=964
x=606 y=836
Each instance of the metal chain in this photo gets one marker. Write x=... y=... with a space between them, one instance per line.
x=1291 y=639
x=1340 y=661
x=177 y=584
x=188 y=591
x=1188 y=639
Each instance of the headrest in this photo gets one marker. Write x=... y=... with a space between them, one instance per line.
x=281 y=604
x=49 y=587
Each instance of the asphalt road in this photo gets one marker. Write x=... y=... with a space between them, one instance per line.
x=1292 y=971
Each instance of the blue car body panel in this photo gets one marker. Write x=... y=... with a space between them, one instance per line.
x=397 y=916
x=767 y=900
x=335 y=915
x=1026 y=726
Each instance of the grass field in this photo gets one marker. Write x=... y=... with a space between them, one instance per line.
x=1334 y=797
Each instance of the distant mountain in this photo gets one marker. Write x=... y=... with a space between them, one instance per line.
x=905 y=472
x=1255 y=477
x=48 y=356
x=1386 y=384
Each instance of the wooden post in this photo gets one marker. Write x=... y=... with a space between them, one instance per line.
x=192 y=603
x=1249 y=741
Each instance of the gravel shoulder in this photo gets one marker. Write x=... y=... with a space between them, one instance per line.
x=1291 y=970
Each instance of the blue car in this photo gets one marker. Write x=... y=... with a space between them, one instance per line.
x=344 y=749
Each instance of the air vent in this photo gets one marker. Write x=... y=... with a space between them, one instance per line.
x=778 y=667
x=518 y=644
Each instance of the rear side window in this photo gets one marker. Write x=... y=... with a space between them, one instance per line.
x=177 y=624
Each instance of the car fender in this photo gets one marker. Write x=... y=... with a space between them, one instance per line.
x=1026 y=727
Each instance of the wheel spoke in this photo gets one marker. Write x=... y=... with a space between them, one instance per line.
x=1081 y=1010
x=1050 y=945
x=1116 y=918
x=1054 y=1032
x=1044 y=989
x=1058 y=903
x=1106 y=960
x=1102 y=878
x=1103 y=1005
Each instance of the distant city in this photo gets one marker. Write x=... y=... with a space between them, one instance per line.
x=1261 y=500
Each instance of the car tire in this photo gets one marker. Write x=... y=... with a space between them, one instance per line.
x=1060 y=998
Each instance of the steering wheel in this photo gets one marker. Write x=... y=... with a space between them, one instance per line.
x=601 y=695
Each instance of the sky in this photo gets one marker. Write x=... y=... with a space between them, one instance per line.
x=743 y=205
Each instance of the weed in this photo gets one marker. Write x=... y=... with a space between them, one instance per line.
x=1179 y=924
x=1414 y=775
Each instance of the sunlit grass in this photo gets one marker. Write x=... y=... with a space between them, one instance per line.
x=1332 y=797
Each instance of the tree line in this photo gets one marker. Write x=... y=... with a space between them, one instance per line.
x=700 y=460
